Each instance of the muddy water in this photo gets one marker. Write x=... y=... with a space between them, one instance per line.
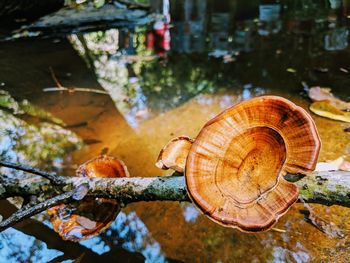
x=217 y=55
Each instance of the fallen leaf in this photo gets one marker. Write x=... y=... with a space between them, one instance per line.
x=291 y=70
x=327 y=110
x=86 y=222
x=347 y=129
x=344 y=70
x=325 y=94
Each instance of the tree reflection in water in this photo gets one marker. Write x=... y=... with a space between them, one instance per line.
x=239 y=46
x=16 y=246
x=46 y=145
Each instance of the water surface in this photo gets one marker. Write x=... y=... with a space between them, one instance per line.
x=164 y=80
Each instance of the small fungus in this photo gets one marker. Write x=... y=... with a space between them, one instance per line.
x=174 y=154
x=87 y=218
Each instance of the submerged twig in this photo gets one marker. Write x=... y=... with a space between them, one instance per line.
x=60 y=87
x=278 y=230
x=53 y=75
x=76 y=89
x=54 y=178
x=27 y=212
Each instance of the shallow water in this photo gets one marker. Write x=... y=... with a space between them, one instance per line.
x=216 y=56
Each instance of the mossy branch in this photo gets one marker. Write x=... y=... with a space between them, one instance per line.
x=328 y=188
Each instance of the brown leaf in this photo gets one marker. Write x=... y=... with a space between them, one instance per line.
x=325 y=94
x=86 y=222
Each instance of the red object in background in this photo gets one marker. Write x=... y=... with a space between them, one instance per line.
x=158 y=39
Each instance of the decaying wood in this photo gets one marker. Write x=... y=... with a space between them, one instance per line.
x=328 y=188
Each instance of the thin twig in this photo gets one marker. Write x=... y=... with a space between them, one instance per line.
x=60 y=87
x=22 y=214
x=278 y=230
x=76 y=89
x=54 y=178
x=53 y=75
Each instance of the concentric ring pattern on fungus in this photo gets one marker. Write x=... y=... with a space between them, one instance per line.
x=235 y=167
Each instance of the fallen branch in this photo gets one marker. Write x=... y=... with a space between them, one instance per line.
x=328 y=188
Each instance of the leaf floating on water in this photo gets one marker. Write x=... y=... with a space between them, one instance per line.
x=291 y=70
x=86 y=222
x=344 y=70
x=325 y=94
x=327 y=110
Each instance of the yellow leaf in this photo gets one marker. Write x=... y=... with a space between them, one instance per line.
x=326 y=109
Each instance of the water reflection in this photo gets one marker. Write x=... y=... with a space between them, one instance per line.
x=23 y=142
x=144 y=70
x=281 y=254
x=190 y=213
x=236 y=49
x=130 y=233
x=41 y=145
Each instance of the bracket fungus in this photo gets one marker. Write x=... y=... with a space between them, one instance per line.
x=174 y=154
x=87 y=218
x=235 y=167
